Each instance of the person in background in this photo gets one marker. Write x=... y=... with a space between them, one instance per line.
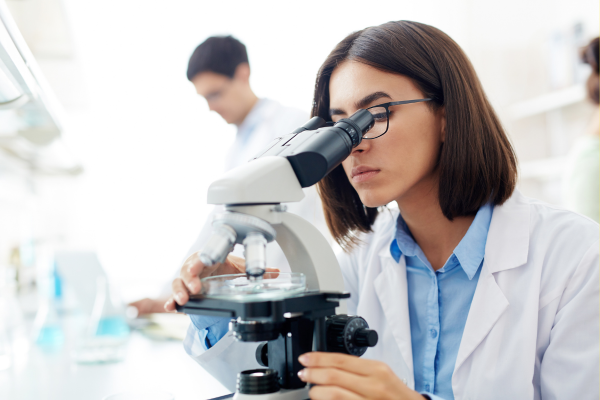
x=220 y=72
x=582 y=173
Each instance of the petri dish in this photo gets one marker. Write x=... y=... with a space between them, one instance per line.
x=273 y=285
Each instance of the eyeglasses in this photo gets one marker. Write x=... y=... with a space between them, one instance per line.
x=381 y=115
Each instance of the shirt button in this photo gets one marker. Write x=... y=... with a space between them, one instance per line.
x=427 y=388
x=433 y=333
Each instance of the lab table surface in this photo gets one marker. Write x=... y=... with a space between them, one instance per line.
x=40 y=374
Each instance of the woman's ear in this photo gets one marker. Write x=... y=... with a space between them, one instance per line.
x=442 y=116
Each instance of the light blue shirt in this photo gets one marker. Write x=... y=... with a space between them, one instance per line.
x=210 y=329
x=439 y=302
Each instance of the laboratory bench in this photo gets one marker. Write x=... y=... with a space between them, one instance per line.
x=34 y=372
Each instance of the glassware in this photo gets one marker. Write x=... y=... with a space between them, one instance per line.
x=48 y=331
x=239 y=287
x=47 y=326
x=107 y=332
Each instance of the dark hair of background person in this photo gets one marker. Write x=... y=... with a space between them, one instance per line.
x=590 y=56
x=218 y=54
x=476 y=164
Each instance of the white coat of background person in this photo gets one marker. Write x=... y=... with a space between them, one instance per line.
x=531 y=325
x=220 y=72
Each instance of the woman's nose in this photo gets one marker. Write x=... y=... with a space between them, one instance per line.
x=362 y=147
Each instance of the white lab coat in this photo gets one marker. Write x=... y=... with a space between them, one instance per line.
x=532 y=331
x=266 y=121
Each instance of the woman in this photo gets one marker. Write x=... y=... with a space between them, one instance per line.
x=476 y=291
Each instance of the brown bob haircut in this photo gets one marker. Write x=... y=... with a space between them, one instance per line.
x=476 y=163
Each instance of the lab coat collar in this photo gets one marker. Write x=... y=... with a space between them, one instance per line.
x=506 y=248
x=507 y=244
x=392 y=290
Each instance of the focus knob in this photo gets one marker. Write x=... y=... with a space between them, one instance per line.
x=349 y=334
x=366 y=337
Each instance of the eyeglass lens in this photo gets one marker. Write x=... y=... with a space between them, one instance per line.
x=380 y=116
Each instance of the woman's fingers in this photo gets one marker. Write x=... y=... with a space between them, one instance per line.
x=332 y=392
x=363 y=377
x=237 y=265
x=180 y=291
x=232 y=265
x=271 y=273
x=191 y=272
x=170 y=305
x=358 y=366
x=336 y=377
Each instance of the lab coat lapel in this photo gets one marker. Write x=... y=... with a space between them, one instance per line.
x=506 y=248
x=391 y=289
x=489 y=303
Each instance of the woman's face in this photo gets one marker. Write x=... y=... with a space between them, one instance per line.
x=400 y=165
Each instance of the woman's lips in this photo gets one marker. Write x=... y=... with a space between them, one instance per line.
x=363 y=174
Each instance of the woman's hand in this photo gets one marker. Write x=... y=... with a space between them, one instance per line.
x=341 y=376
x=193 y=270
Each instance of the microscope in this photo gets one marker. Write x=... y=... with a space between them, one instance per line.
x=288 y=325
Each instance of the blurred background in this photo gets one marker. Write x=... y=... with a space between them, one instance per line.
x=114 y=156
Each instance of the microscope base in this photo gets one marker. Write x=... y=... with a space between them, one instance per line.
x=283 y=394
x=296 y=394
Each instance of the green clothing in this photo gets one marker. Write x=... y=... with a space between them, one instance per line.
x=582 y=177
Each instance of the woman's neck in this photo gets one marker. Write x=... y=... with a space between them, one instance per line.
x=434 y=233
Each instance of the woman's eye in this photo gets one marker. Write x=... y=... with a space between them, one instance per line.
x=379 y=117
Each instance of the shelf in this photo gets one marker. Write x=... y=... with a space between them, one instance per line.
x=546 y=169
x=547 y=102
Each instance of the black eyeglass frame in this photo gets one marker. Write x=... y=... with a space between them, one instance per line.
x=387 y=112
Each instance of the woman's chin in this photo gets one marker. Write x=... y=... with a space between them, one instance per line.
x=371 y=201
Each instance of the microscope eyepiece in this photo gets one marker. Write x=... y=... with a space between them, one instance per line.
x=314 y=150
x=357 y=125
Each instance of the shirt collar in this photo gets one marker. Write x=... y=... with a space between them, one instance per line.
x=469 y=252
x=471 y=249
